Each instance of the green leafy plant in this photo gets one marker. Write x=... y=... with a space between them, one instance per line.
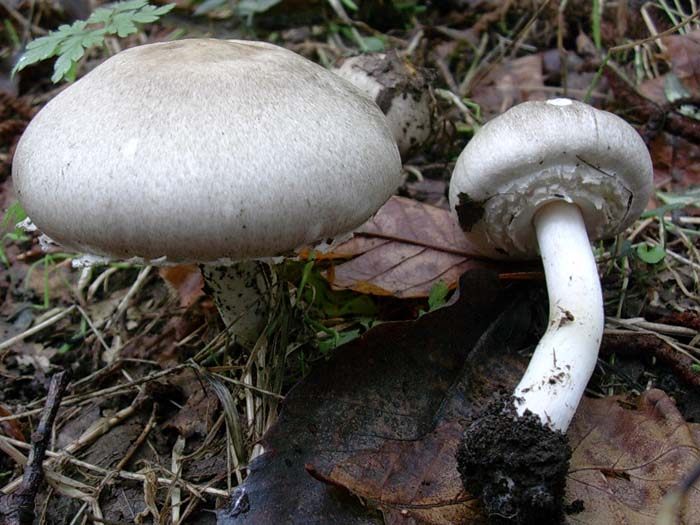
x=14 y=214
x=69 y=42
x=321 y=302
x=243 y=8
x=596 y=15
x=651 y=254
x=438 y=296
x=656 y=253
x=326 y=302
x=49 y=262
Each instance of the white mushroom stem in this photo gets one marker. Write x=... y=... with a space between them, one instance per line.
x=566 y=355
x=243 y=294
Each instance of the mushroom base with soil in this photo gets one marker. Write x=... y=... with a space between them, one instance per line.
x=515 y=465
x=515 y=455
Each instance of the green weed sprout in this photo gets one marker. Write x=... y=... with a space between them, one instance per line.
x=69 y=42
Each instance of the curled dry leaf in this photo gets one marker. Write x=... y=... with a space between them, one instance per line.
x=646 y=346
x=680 y=86
x=10 y=427
x=199 y=407
x=404 y=250
x=671 y=137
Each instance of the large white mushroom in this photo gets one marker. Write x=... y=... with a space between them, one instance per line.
x=546 y=178
x=207 y=151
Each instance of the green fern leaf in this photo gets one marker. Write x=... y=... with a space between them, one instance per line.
x=70 y=42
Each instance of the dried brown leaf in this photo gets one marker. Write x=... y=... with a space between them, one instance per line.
x=404 y=250
x=683 y=51
x=626 y=456
x=414 y=479
x=676 y=161
x=510 y=83
x=383 y=420
x=653 y=89
x=10 y=427
x=185 y=280
x=196 y=416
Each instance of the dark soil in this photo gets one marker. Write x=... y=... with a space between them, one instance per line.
x=515 y=465
x=398 y=77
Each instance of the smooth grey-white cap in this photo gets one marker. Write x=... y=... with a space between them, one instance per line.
x=538 y=152
x=204 y=150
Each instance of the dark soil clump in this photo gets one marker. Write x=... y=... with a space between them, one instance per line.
x=515 y=465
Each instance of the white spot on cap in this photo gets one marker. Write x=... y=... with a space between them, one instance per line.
x=129 y=149
x=559 y=101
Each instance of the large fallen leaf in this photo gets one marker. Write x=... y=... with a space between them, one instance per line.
x=402 y=393
x=404 y=250
x=626 y=456
x=369 y=437
x=414 y=479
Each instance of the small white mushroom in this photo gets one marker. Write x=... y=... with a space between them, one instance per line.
x=208 y=151
x=401 y=92
x=545 y=177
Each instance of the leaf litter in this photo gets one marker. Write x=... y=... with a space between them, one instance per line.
x=152 y=372
x=383 y=419
x=387 y=385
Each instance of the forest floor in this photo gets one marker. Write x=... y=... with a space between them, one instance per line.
x=350 y=407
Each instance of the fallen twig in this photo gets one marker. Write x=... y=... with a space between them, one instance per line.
x=123 y=474
x=36 y=328
x=17 y=508
x=648 y=344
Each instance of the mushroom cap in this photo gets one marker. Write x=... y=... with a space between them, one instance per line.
x=538 y=152
x=204 y=150
x=399 y=89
